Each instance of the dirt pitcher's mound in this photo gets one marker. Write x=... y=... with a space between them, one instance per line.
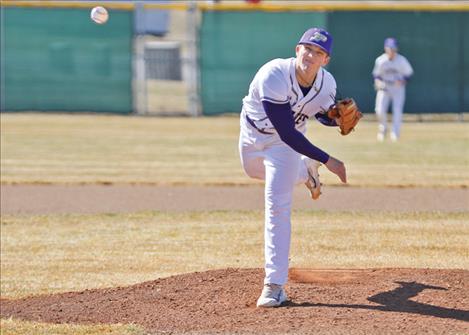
x=381 y=301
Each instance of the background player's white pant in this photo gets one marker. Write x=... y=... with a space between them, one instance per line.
x=396 y=96
x=270 y=159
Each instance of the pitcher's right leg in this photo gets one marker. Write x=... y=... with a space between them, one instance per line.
x=312 y=183
x=252 y=156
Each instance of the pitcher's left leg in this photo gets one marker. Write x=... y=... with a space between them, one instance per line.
x=281 y=170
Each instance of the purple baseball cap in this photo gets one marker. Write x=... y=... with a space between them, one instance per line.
x=318 y=37
x=390 y=42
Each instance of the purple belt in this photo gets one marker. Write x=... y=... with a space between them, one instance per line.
x=262 y=131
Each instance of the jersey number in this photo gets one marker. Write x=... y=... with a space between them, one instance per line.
x=300 y=117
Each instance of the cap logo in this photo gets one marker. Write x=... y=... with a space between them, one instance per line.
x=318 y=37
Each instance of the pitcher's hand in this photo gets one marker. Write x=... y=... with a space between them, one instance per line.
x=337 y=167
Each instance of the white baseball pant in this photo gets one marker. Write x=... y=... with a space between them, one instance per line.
x=396 y=95
x=269 y=158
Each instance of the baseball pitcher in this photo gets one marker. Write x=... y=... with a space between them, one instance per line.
x=283 y=96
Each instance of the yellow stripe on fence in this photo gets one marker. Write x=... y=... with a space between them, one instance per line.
x=341 y=6
x=66 y=4
x=439 y=6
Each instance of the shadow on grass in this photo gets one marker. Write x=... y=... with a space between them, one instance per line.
x=397 y=300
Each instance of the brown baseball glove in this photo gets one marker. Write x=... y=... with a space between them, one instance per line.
x=346 y=114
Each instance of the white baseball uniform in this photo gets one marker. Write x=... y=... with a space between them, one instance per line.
x=265 y=156
x=392 y=76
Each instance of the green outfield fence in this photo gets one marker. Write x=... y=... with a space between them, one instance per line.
x=234 y=43
x=56 y=59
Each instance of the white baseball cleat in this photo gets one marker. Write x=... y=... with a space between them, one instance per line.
x=272 y=295
x=393 y=137
x=313 y=184
x=380 y=137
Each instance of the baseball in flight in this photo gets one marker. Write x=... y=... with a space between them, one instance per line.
x=99 y=15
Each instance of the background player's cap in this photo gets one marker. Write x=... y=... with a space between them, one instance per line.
x=319 y=37
x=390 y=42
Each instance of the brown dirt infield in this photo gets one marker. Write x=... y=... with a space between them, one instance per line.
x=322 y=301
x=118 y=198
x=380 y=301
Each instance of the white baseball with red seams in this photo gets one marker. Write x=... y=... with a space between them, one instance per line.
x=99 y=15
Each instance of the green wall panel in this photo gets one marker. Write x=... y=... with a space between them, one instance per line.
x=464 y=56
x=58 y=60
x=233 y=45
x=431 y=41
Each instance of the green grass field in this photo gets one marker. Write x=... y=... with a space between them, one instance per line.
x=57 y=253
x=44 y=254
x=38 y=148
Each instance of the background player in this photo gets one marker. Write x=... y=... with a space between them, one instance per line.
x=283 y=95
x=391 y=73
